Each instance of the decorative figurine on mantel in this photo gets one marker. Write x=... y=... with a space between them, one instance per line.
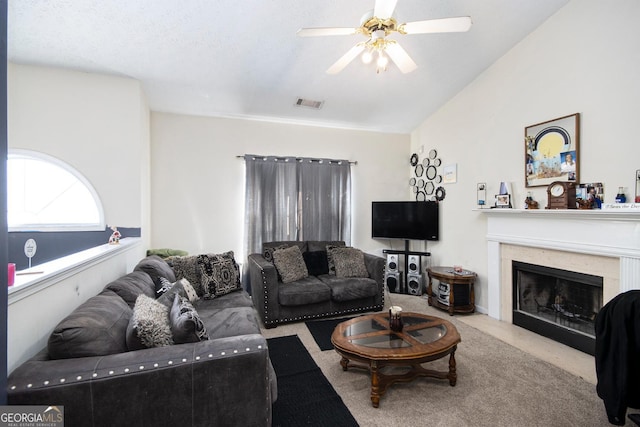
x=529 y=203
x=115 y=236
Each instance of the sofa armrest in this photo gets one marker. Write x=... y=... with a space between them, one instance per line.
x=264 y=289
x=226 y=381
x=376 y=267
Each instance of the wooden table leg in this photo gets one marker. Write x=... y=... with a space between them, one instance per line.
x=451 y=298
x=453 y=376
x=344 y=362
x=375 y=384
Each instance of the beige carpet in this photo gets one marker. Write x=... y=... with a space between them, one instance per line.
x=498 y=385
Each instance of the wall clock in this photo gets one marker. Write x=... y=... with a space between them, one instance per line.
x=561 y=195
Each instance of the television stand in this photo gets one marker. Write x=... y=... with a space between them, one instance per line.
x=406 y=252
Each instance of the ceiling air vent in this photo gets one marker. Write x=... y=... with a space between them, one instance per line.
x=309 y=103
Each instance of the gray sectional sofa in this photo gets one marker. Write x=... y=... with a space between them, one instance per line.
x=89 y=366
x=282 y=292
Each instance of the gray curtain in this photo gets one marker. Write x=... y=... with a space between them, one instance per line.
x=290 y=198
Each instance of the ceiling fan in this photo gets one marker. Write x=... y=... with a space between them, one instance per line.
x=377 y=24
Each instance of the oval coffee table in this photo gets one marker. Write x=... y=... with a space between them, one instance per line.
x=366 y=342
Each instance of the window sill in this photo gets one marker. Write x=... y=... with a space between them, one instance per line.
x=32 y=280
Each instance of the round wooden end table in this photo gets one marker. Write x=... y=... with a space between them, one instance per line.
x=455 y=280
x=367 y=342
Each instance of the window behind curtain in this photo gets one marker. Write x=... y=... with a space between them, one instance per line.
x=290 y=198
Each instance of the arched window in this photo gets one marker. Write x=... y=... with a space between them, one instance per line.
x=46 y=194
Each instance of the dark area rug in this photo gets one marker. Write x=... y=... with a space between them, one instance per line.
x=305 y=396
x=322 y=330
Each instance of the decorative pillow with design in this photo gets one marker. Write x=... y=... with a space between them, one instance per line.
x=290 y=264
x=183 y=288
x=186 y=325
x=316 y=262
x=220 y=274
x=187 y=267
x=349 y=262
x=267 y=252
x=149 y=325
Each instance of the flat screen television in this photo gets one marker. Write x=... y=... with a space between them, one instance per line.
x=405 y=220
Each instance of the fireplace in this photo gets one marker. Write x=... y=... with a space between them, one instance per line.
x=604 y=243
x=557 y=303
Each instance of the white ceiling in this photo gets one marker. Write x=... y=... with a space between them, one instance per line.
x=242 y=58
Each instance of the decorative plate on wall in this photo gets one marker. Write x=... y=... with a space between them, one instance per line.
x=412 y=181
x=440 y=194
x=420 y=196
x=425 y=162
x=433 y=154
x=414 y=159
x=419 y=170
x=431 y=172
x=429 y=187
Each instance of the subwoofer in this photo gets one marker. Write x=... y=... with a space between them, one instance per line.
x=393 y=281
x=392 y=263
x=413 y=262
x=414 y=284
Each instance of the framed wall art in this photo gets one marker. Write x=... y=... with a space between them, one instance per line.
x=552 y=151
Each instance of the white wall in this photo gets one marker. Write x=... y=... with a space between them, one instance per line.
x=198 y=183
x=98 y=124
x=585 y=59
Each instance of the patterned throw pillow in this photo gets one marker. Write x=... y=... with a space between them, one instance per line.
x=267 y=252
x=349 y=262
x=149 y=325
x=187 y=267
x=182 y=287
x=220 y=274
x=186 y=325
x=290 y=264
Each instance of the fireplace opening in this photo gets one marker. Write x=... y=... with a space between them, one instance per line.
x=558 y=304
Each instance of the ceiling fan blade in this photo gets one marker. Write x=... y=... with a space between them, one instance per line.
x=327 y=31
x=384 y=8
x=400 y=57
x=444 y=25
x=346 y=58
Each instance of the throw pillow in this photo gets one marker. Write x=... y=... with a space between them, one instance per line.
x=149 y=325
x=220 y=274
x=183 y=288
x=290 y=264
x=349 y=262
x=267 y=252
x=330 y=261
x=186 y=325
x=316 y=262
x=187 y=267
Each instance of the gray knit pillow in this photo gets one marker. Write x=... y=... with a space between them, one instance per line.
x=349 y=262
x=149 y=325
x=290 y=264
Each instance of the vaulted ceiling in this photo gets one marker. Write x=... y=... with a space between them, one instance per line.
x=230 y=58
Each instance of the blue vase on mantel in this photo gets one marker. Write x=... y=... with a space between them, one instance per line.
x=620 y=197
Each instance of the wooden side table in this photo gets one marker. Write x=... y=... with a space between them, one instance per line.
x=455 y=280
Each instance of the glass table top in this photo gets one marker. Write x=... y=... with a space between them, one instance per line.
x=421 y=329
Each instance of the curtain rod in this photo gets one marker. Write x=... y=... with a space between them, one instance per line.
x=354 y=162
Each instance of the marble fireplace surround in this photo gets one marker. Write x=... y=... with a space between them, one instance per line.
x=600 y=242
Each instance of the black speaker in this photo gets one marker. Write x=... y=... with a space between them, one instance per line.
x=393 y=281
x=414 y=284
x=392 y=263
x=413 y=262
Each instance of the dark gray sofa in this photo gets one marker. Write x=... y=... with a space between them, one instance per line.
x=315 y=296
x=226 y=380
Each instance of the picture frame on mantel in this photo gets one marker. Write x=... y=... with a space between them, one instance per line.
x=552 y=151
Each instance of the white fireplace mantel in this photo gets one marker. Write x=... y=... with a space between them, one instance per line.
x=612 y=234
